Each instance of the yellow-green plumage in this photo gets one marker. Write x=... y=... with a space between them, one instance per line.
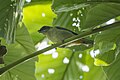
x=58 y=35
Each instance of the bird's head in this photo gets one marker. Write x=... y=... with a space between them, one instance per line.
x=44 y=29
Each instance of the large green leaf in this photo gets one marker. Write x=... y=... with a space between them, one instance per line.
x=69 y=5
x=10 y=16
x=95 y=73
x=23 y=46
x=110 y=35
x=100 y=14
x=73 y=70
x=3 y=16
x=106 y=42
x=47 y=62
x=36 y=15
x=24 y=39
x=65 y=66
x=106 y=59
x=80 y=66
x=112 y=71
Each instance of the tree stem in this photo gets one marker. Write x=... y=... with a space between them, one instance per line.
x=72 y=39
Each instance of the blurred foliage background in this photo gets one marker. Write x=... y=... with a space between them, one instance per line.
x=20 y=20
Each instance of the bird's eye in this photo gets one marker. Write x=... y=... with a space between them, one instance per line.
x=44 y=30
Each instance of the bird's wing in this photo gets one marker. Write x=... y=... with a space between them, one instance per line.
x=66 y=30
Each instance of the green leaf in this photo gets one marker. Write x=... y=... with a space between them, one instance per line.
x=24 y=39
x=35 y=16
x=69 y=5
x=106 y=43
x=47 y=62
x=105 y=59
x=100 y=14
x=3 y=16
x=106 y=40
x=9 y=18
x=74 y=68
x=95 y=73
x=23 y=46
x=105 y=47
x=80 y=66
x=112 y=71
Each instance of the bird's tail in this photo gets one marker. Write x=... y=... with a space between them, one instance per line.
x=83 y=41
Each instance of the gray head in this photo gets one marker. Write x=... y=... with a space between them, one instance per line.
x=44 y=29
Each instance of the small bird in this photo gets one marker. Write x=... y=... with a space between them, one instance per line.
x=59 y=34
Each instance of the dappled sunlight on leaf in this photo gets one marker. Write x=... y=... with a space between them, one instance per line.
x=50 y=66
x=99 y=62
x=94 y=53
x=110 y=21
x=65 y=60
x=51 y=71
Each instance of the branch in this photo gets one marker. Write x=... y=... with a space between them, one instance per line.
x=72 y=39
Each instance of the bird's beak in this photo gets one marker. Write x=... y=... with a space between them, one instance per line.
x=39 y=31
